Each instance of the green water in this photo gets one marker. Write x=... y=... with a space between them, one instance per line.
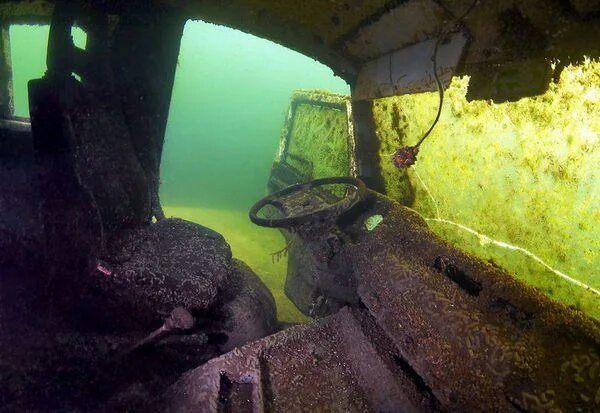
x=228 y=107
x=28 y=59
x=229 y=104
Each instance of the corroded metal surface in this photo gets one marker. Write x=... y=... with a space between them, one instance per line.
x=335 y=364
x=433 y=329
x=409 y=70
x=473 y=333
x=409 y=23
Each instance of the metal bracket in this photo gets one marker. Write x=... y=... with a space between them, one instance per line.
x=410 y=69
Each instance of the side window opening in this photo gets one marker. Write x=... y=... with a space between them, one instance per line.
x=28 y=47
x=230 y=99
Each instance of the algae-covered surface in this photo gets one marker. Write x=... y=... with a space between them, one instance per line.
x=250 y=243
x=525 y=174
x=318 y=143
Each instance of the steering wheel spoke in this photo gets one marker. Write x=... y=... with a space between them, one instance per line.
x=301 y=203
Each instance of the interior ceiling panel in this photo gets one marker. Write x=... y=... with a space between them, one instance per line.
x=410 y=69
x=407 y=24
x=328 y=20
x=346 y=34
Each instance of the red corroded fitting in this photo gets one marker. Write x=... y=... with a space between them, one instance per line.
x=405 y=156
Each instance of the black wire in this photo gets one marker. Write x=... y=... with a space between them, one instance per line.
x=391 y=81
x=440 y=87
x=440 y=91
x=458 y=19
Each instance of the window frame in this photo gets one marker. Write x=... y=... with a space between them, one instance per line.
x=6 y=75
x=277 y=177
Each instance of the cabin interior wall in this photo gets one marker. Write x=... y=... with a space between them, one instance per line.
x=523 y=173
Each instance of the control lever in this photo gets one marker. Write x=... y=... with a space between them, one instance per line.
x=180 y=319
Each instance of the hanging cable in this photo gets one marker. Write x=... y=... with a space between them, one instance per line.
x=406 y=156
x=440 y=89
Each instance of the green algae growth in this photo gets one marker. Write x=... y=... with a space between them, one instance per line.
x=522 y=174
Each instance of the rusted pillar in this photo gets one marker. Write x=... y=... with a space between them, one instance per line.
x=367 y=145
x=146 y=48
x=6 y=96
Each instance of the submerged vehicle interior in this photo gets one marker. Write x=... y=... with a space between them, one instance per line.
x=109 y=304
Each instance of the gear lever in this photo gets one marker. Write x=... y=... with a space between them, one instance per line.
x=180 y=319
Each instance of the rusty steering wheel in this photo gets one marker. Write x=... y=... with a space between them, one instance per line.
x=311 y=201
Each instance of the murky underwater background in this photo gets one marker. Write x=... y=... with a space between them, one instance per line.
x=522 y=176
x=229 y=104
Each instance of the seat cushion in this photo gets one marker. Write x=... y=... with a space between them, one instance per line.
x=150 y=270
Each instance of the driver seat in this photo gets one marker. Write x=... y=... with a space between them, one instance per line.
x=111 y=275
x=101 y=248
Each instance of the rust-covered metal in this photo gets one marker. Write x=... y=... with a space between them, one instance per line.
x=415 y=325
x=346 y=35
x=433 y=329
